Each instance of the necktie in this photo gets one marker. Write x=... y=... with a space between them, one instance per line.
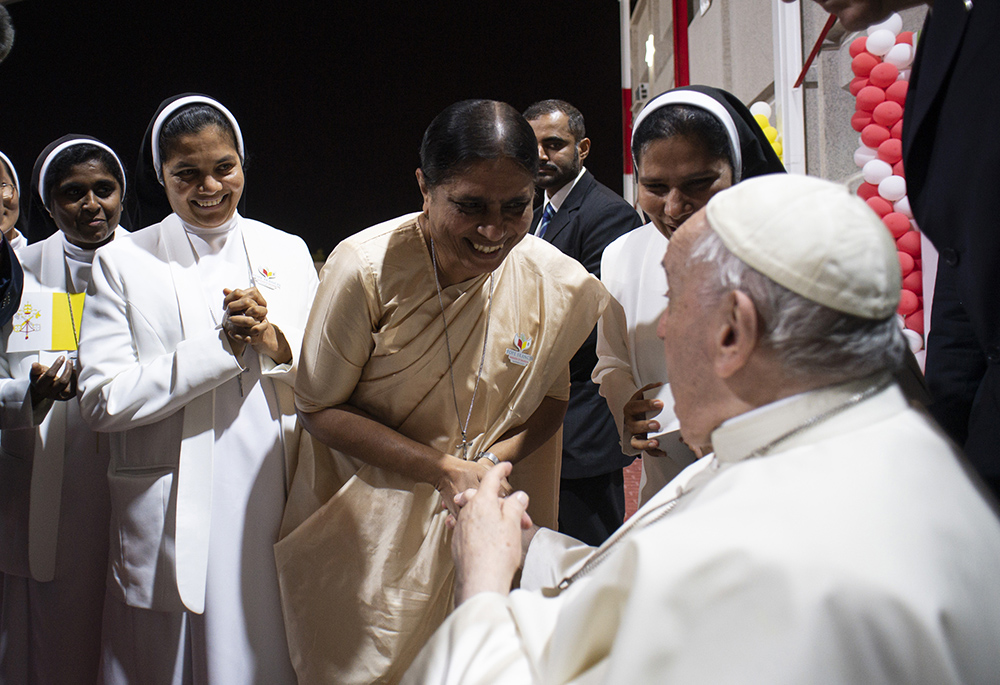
x=546 y=218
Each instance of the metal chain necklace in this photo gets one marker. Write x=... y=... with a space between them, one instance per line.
x=661 y=510
x=451 y=368
x=72 y=320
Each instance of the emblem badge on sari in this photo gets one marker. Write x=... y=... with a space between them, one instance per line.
x=519 y=353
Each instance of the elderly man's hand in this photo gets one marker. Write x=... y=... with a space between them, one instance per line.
x=636 y=424
x=486 y=544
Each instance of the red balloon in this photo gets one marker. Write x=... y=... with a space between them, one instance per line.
x=896 y=92
x=914 y=282
x=905 y=263
x=903 y=37
x=909 y=243
x=869 y=98
x=917 y=263
x=859 y=120
x=857 y=83
x=908 y=303
x=897 y=224
x=897 y=130
x=858 y=45
x=887 y=113
x=874 y=135
x=879 y=205
x=915 y=321
x=883 y=75
x=862 y=64
x=890 y=151
x=867 y=190
x=897 y=168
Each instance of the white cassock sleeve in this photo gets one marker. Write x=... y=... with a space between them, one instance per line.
x=120 y=390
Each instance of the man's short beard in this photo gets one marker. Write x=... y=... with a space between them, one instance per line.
x=565 y=175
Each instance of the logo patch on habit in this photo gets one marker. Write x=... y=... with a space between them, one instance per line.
x=267 y=278
x=519 y=353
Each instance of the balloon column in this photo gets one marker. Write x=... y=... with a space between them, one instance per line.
x=881 y=64
x=761 y=112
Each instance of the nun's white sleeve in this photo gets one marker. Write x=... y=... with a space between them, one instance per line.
x=301 y=281
x=118 y=389
x=16 y=410
x=613 y=372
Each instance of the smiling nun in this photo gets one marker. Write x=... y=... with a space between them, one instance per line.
x=192 y=334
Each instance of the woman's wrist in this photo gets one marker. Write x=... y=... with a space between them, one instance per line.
x=488 y=456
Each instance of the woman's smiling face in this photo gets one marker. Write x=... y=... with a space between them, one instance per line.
x=203 y=177
x=477 y=216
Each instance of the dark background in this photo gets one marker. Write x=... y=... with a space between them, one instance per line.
x=332 y=97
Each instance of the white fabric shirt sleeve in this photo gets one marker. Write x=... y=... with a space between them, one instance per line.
x=613 y=372
x=118 y=391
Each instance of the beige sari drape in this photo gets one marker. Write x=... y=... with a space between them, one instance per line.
x=364 y=563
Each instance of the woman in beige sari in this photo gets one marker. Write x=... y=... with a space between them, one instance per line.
x=438 y=344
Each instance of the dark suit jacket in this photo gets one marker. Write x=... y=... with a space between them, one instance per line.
x=589 y=219
x=951 y=152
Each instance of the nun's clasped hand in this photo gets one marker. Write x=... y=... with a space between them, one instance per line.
x=48 y=384
x=245 y=323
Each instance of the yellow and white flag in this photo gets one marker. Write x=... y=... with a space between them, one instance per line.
x=46 y=321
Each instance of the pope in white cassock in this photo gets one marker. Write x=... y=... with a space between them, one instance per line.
x=833 y=536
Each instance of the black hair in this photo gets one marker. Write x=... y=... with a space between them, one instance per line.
x=190 y=120
x=6 y=33
x=474 y=130
x=545 y=107
x=64 y=162
x=684 y=120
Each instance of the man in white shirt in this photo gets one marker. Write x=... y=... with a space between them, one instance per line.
x=833 y=536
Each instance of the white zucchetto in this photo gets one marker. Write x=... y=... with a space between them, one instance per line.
x=813 y=237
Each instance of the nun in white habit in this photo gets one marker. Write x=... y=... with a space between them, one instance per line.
x=54 y=504
x=192 y=334
x=10 y=187
x=687 y=144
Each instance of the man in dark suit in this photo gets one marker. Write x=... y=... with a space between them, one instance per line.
x=581 y=216
x=951 y=152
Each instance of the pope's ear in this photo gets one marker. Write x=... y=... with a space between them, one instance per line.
x=737 y=334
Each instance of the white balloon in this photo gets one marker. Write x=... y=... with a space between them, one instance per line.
x=892 y=188
x=876 y=171
x=761 y=107
x=903 y=207
x=893 y=24
x=914 y=340
x=880 y=42
x=900 y=55
x=904 y=75
x=863 y=155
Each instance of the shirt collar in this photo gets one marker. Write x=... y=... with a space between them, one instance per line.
x=739 y=437
x=560 y=196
